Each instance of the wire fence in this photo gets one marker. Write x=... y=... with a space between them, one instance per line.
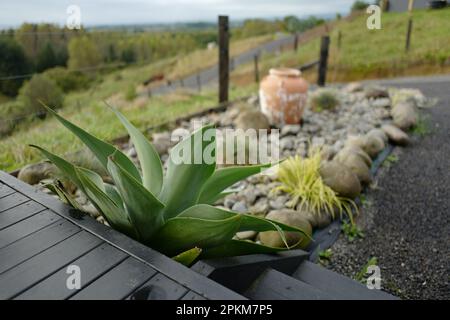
x=196 y=81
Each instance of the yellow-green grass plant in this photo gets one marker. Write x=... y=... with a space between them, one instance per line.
x=301 y=180
x=171 y=213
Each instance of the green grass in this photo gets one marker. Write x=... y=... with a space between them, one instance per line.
x=87 y=108
x=422 y=127
x=390 y=160
x=361 y=276
x=372 y=53
x=352 y=231
x=98 y=120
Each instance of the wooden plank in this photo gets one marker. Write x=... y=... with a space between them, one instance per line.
x=159 y=287
x=35 y=243
x=11 y=201
x=274 y=285
x=5 y=190
x=16 y=280
x=92 y=265
x=224 y=59
x=336 y=285
x=118 y=283
x=21 y=212
x=27 y=227
x=196 y=282
x=238 y=273
x=323 y=61
x=192 y=296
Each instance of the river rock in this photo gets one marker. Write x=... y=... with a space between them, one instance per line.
x=373 y=146
x=261 y=206
x=375 y=92
x=404 y=115
x=179 y=134
x=356 y=164
x=396 y=135
x=240 y=207
x=290 y=218
x=246 y=235
x=378 y=133
x=34 y=173
x=162 y=142
x=353 y=87
x=251 y=119
x=290 y=129
x=341 y=179
x=278 y=203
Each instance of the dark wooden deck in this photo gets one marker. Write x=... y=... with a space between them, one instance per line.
x=40 y=237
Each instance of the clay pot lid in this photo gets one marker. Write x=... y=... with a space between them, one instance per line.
x=285 y=72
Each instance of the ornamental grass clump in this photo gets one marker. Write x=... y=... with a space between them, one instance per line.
x=301 y=180
x=324 y=99
x=171 y=213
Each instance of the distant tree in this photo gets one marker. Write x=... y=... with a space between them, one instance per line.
x=46 y=58
x=83 y=53
x=256 y=27
x=40 y=89
x=294 y=24
x=13 y=62
x=359 y=5
x=128 y=55
x=68 y=80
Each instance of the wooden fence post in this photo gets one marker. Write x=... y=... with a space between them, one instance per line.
x=256 y=58
x=410 y=24
x=408 y=34
x=296 y=42
x=224 y=59
x=339 y=40
x=324 y=45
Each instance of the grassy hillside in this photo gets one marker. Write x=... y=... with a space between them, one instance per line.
x=363 y=54
x=373 y=53
x=87 y=107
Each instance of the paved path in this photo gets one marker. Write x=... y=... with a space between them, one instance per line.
x=407 y=225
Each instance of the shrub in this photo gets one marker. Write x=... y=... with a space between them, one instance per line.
x=68 y=80
x=324 y=99
x=12 y=62
x=172 y=212
x=130 y=94
x=40 y=89
x=359 y=5
x=300 y=178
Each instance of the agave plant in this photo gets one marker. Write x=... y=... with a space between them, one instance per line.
x=171 y=213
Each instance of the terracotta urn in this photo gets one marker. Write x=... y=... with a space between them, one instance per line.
x=283 y=96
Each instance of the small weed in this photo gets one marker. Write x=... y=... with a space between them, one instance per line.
x=361 y=275
x=325 y=256
x=422 y=127
x=390 y=160
x=352 y=231
x=365 y=203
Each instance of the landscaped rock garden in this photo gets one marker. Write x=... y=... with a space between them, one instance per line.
x=329 y=158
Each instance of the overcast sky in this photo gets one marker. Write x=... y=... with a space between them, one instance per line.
x=97 y=12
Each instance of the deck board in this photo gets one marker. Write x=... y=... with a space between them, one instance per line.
x=5 y=190
x=19 y=213
x=12 y=200
x=28 y=273
x=40 y=237
x=92 y=265
x=118 y=283
x=35 y=243
x=26 y=227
